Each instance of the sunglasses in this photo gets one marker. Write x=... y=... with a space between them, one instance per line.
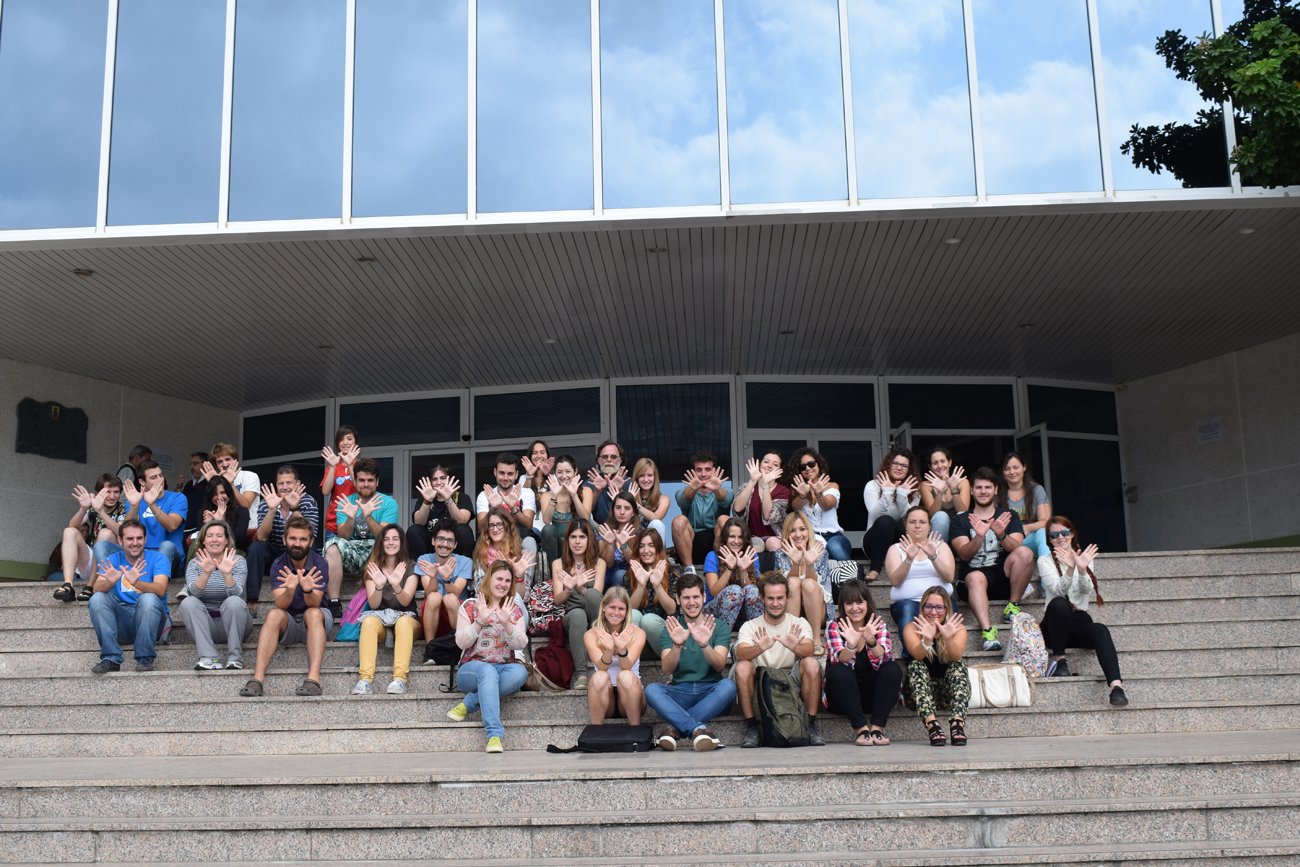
x=1056 y=534
x=807 y=464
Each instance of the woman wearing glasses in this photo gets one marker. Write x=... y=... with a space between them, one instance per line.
x=936 y=639
x=1070 y=586
x=888 y=496
x=813 y=493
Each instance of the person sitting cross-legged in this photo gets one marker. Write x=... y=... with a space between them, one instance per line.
x=130 y=600
x=693 y=650
x=778 y=639
x=614 y=644
x=214 y=609
x=298 y=586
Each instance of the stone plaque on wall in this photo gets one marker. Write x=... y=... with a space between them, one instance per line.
x=51 y=430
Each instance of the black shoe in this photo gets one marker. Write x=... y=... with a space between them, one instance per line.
x=1061 y=669
x=1118 y=698
x=336 y=608
x=144 y=665
x=815 y=738
x=428 y=654
x=105 y=666
x=751 y=737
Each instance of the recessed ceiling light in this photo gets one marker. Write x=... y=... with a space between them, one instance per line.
x=366 y=259
x=82 y=272
x=657 y=250
x=951 y=241
x=551 y=340
x=1025 y=325
x=790 y=331
x=1245 y=231
x=324 y=346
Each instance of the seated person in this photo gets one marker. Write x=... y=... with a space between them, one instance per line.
x=604 y=480
x=191 y=484
x=804 y=561
x=500 y=541
x=651 y=504
x=390 y=584
x=363 y=515
x=705 y=505
x=221 y=503
x=814 y=494
x=1070 y=588
x=888 y=496
x=564 y=504
x=440 y=497
x=937 y=680
x=517 y=499
x=616 y=537
x=945 y=491
x=614 y=645
x=731 y=576
x=778 y=639
x=161 y=512
x=763 y=501
x=298 y=585
x=445 y=577
x=987 y=541
x=577 y=586
x=693 y=647
x=96 y=520
x=130 y=600
x=223 y=462
x=861 y=677
x=536 y=467
x=214 y=610
x=337 y=481
x=1028 y=499
x=919 y=561
x=287 y=499
x=654 y=586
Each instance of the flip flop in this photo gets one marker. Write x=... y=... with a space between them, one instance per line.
x=65 y=593
x=878 y=738
x=863 y=738
x=252 y=689
x=309 y=687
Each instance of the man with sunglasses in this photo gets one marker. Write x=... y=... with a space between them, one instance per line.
x=989 y=544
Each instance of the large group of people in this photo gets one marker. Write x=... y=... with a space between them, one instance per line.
x=740 y=581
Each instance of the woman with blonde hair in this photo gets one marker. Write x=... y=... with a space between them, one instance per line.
x=390 y=585
x=614 y=644
x=651 y=505
x=806 y=566
x=938 y=680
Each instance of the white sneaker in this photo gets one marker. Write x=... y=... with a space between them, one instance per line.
x=206 y=664
x=1030 y=590
x=363 y=687
x=397 y=687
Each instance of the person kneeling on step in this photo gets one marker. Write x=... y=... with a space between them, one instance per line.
x=390 y=592
x=489 y=629
x=214 y=609
x=938 y=680
x=693 y=650
x=130 y=600
x=299 y=579
x=614 y=644
x=777 y=640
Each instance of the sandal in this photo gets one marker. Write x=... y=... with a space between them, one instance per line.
x=86 y=593
x=878 y=738
x=252 y=689
x=958 y=732
x=65 y=593
x=936 y=734
x=863 y=738
x=309 y=687
x=871 y=576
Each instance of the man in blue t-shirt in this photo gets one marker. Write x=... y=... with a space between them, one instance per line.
x=705 y=505
x=129 y=602
x=161 y=512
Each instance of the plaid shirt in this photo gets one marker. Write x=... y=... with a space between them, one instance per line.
x=835 y=645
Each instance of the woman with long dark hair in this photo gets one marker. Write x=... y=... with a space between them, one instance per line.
x=861 y=676
x=888 y=496
x=812 y=492
x=390 y=585
x=1028 y=499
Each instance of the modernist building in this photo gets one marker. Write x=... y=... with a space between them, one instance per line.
x=461 y=224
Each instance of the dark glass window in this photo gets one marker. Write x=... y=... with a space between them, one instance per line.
x=810 y=404
x=535 y=414
x=955 y=405
x=669 y=423
x=1088 y=488
x=1079 y=410
x=395 y=422
x=968 y=452
x=284 y=433
x=852 y=465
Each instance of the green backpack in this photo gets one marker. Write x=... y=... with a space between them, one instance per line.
x=782 y=717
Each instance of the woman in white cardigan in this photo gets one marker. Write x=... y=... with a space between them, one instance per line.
x=895 y=489
x=1070 y=587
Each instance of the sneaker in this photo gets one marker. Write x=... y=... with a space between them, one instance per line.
x=181 y=595
x=397 y=687
x=1118 y=698
x=815 y=738
x=494 y=745
x=580 y=683
x=703 y=741
x=207 y=665
x=336 y=608
x=459 y=712
x=105 y=666
x=1010 y=611
x=990 y=637
x=1059 y=669
x=363 y=687
x=751 y=737
x=428 y=654
x=668 y=739
x=232 y=664
x=1030 y=590
x=144 y=665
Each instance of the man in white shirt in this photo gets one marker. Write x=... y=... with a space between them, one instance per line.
x=248 y=487
x=778 y=640
x=518 y=499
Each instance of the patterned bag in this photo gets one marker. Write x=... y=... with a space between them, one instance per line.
x=350 y=625
x=1026 y=645
x=841 y=571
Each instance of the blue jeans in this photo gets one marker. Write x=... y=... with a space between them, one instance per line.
x=688 y=707
x=615 y=578
x=484 y=684
x=260 y=557
x=939 y=523
x=174 y=555
x=838 y=547
x=904 y=612
x=140 y=623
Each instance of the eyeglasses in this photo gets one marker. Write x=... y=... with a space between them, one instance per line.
x=933 y=608
x=1056 y=534
x=899 y=465
x=807 y=464
x=496 y=525
x=445 y=541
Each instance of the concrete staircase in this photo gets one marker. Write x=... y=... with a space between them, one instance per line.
x=173 y=766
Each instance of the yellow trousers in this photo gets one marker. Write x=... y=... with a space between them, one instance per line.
x=372 y=629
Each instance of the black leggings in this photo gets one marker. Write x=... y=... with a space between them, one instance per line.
x=883 y=533
x=855 y=691
x=1065 y=627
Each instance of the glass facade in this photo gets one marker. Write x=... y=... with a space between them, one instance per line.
x=810 y=405
x=955 y=406
x=670 y=423
x=392 y=422
x=537 y=414
x=283 y=433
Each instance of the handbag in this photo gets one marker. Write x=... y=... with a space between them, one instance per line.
x=611 y=738
x=1000 y=684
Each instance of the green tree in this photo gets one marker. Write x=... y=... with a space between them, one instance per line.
x=1256 y=64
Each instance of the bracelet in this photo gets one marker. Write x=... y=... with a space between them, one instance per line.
x=679 y=646
x=623 y=655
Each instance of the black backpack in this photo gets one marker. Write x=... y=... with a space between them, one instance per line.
x=446 y=652
x=614 y=738
x=782 y=717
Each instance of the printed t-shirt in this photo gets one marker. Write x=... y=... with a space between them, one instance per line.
x=343 y=487
x=386 y=513
x=172 y=503
x=990 y=552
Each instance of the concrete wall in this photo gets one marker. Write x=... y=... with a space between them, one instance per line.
x=1242 y=488
x=35 y=491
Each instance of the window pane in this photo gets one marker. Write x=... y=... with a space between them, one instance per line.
x=1073 y=409
x=669 y=423
x=1141 y=91
x=785 y=102
x=958 y=406
x=810 y=405
x=167 y=83
x=911 y=101
x=395 y=422
x=968 y=452
x=660 y=143
x=422 y=466
x=1038 y=112
x=536 y=414
x=1088 y=488
x=534 y=106
x=284 y=433
x=286 y=159
x=410 y=127
x=51 y=109
x=852 y=465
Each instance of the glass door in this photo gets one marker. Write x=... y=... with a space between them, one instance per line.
x=1032 y=446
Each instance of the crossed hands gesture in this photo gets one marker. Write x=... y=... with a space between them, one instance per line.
x=507 y=615
x=714 y=484
x=738 y=562
x=379 y=577
x=347 y=507
x=347 y=456
x=294 y=579
x=442 y=569
x=765 y=641
x=128 y=576
x=522 y=563
x=533 y=469
x=998 y=525
x=930 y=547
x=908 y=485
x=210 y=564
x=853 y=637
x=618 y=538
